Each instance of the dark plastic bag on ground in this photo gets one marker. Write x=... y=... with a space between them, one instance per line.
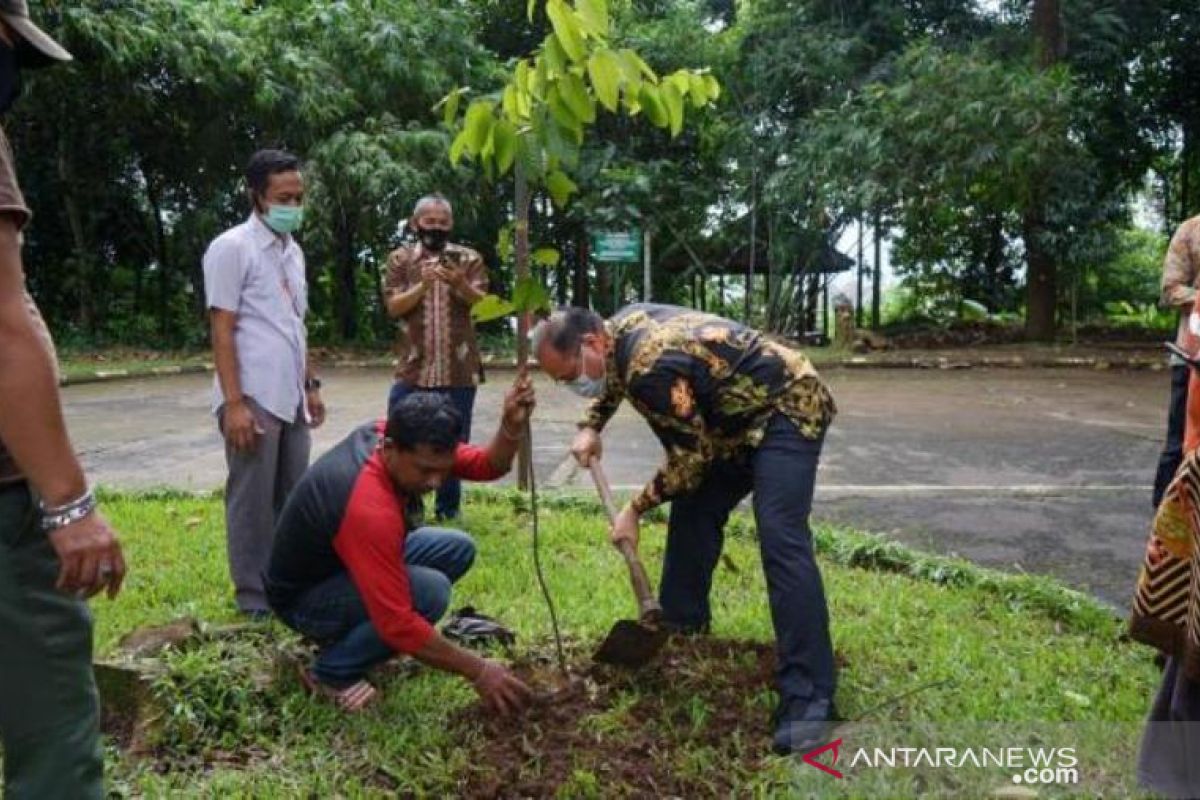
x=478 y=631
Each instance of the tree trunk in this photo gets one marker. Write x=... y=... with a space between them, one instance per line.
x=753 y=237
x=1047 y=33
x=82 y=254
x=579 y=288
x=1042 y=289
x=993 y=262
x=1041 y=270
x=858 y=298
x=161 y=254
x=1185 y=174
x=603 y=288
x=521 y=251
x=347 y=305
x=877 y=274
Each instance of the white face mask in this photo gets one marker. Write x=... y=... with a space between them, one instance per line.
x=586 y=386
x=590 y=388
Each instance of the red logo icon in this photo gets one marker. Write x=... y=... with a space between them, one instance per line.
x=810 y=758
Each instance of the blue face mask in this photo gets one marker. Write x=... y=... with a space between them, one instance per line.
x=284 y=219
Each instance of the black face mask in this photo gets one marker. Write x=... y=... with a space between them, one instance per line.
x=433 y=239
x=10 y=77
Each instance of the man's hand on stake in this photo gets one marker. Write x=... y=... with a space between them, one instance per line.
x=519 y=402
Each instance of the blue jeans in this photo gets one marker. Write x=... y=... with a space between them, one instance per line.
x=449 y=495
x=332 y=612
x=782 y=474
x=1172 y=453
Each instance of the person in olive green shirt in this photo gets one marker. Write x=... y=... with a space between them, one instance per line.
x=737 y=414
x=56 y=549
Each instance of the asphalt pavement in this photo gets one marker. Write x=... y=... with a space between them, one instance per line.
x=1036 y=470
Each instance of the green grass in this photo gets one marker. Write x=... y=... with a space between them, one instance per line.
x=926 y=642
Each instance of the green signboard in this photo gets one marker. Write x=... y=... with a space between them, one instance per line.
x=621 y=247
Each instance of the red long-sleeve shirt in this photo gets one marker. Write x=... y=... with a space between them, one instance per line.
x=346 y=515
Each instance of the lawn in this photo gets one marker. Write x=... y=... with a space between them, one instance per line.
x=931 y=651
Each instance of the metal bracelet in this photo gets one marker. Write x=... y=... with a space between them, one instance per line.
x=61 y=516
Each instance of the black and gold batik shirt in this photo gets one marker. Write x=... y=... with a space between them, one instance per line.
x=707 y=386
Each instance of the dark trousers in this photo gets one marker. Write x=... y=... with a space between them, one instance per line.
x=49 y=712
x=782 y=474
x=1167 y=760
x=332 y=613
x=449 y=494
x=1172 y=452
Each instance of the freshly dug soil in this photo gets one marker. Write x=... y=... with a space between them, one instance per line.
x=630 y=732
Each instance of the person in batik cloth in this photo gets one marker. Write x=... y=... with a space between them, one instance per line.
x=1166 y=613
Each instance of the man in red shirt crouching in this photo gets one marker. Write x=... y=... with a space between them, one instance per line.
x=347 y=572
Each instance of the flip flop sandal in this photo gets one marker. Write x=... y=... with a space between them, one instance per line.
x=351 y=699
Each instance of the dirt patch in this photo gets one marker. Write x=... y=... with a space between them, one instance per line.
x=655 y=732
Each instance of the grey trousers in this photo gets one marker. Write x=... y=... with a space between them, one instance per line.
x=49 y=712
x=258 y=484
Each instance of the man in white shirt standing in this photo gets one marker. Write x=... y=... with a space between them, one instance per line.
x=265 y=394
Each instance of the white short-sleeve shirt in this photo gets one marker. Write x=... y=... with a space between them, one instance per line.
x=259 y=275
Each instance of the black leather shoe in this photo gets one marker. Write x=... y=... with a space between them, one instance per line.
x=801 y=725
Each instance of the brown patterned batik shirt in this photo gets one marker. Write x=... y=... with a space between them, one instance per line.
x=436 y=343
x=1180 y=270
x=707 y=387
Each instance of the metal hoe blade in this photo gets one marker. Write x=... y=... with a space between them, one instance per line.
x=630 y=644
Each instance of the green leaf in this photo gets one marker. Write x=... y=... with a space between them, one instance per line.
x=636 y=64
x=562 y=112
x=449 y=105
x=508 y=102
x=681 y=79
x=699 y=92
x=530 y=6
x=556 y=57
x=504 y=135
x=574 y=93
x=521 y=76
x=504 y=243
x=604 y=69
x=673 y=100
x=490 y=307
x=566 y=28
x=478 y=125
x=489 y=147
x=458 y=147
x=530 y=295
x=560 y=187
x=546 y=257
x=656 y=112
x=594 y=14
x=712 y=86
